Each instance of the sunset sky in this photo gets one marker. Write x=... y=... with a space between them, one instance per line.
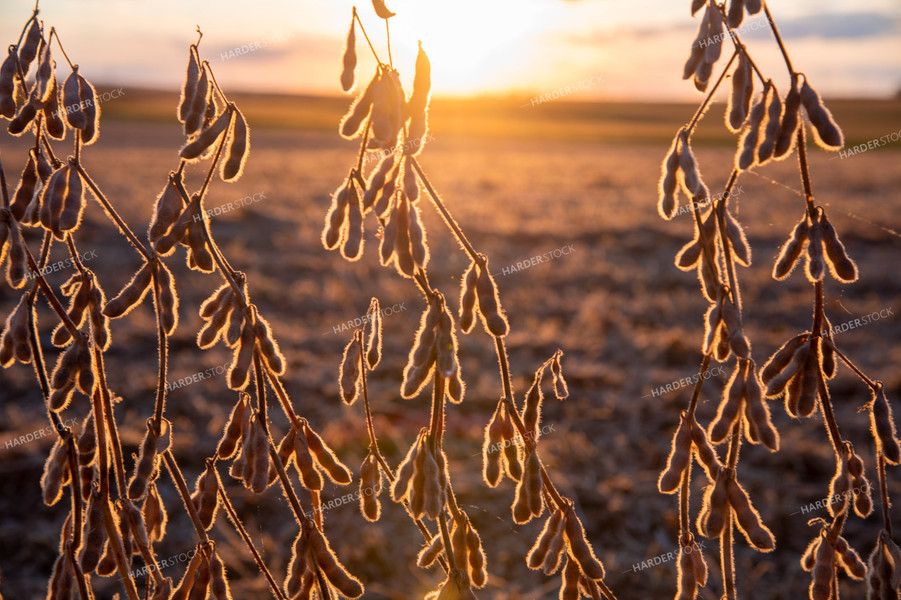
x=624 y=48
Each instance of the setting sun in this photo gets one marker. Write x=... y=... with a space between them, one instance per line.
x=473 y=45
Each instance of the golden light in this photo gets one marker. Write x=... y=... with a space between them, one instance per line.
x=473 y=45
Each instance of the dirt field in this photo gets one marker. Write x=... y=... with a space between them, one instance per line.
x=627 y=319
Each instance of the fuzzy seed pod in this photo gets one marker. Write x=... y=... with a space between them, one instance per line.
x=446 y=346
x=333 y=570
x=691 y=175
x=9 y=85
x=790 y=121
x=430 y=552
x=349 y=376
x=205 y=497
x=776 y=385
x=88 y=101
x=28 y=50
x=432 y=490
x=882 y=426
x=370 y=486
x=403 y=255
x=298 y=565
x=381 y=10
x=155 y=516
x=807 y=398
x=410 y=183
x=73 y=202
x=706 y=455
x=238 y=146
x=679 y=457
x=839 y=488
x=418 y=245
x=750 y=138
x=579 y=548
x=387 y=111
x=716 y=504
x=14 y=343
x=402 y=483
x=350 y=57
x=730 y=406
x=417 y=105
x=326 y=458
x=552 y=527
x=165 y=289
x=468 y=298
x=748 y=519
x=193 y=117
x=686 y=576
x=56 y=473
x=735 y=13
x=95 y=534
x=208 y=136
x=242 y=359
x=52 y=197
x=738 y=343
x=823 y=571
x=53 y=121
x=75 y=114
x=840 y=264
x=311 y=478
x=816 y=260
x=791 y=250
x=512 y=455
x=132 y=294
x=569 y=590
x=168 y=208
x=697 y=54
x=352 y=122
x=478 y=574
x=373 y=334
x=353 y=232
x=491 y=448
x=531 y=414
x=218 y=582
x=25 y=190
x=770 y=128
x=145 y=467
x=849 y=559
x=714 y=47
x=561 y=389
x=668 y=203
x=782 y=357
x=17 y=257
x=423 y=354
x=333 y=233
x=493 y=316
x=826 y=132
x=201 y=587
x=757 y=413
x=555 y=551
x=737 y=241
x=528 y=502
x=44 y=77
x=192 y=77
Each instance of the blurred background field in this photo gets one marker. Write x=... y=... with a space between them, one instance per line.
x=522 y=180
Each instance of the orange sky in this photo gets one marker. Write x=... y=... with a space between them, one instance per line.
x=619 y=49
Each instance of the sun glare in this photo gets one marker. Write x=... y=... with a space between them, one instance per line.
x=473 y=45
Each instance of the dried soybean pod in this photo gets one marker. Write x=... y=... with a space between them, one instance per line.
x=189 y=88
x=72 y=101
x=23 y=119
x=370 y=486
x=73 y=201
x=208 y=136
x=333 y=232
x=826 y=132
x=730 y=406
x=205 y=497
x=531 y=415
x=776 y=385
x=52 y=200
x=809 y=374
x=539 y=551
x=238 y=145
x=714 y=47
x=218 y=581
x=132 y=294
x=696 y=57
x=272 y=354
x=430 y=552
x=297 y=565
x=850 y=559
x=840 y=264
x=791 y=250
x=349 y=379
x=418 y=245
x=258 y=457
x=24 y=193
x=410 y=183
x=758 y=412
x=401 y=485
x=569 y=590
x=352 y=249
x=478 y=575
x=737 y=240
x=491 y=448
x=214 y=303
x=16 y=334
x=790 y=121
x=736 y=13
x=88 y=100
x=747 y=517
x=199 y=100
x=168 y=298
x=823 y=571
x=326 y=458
x=512 y=461
x=705 y=453
x=242 y=359
x=352 y=122
x=44 y=75
x=468 y=298
x=403 y=254
x=9 y=85
x=686 y=576
x=770 y=128
x=56 y=473
x=53 y=121
x=95 y=534
x=716 y=504
x=28 y=50
x=144 y=467
x=333 y=570
x=669 y=181
x=749 y=140
x=882 y=426
x=155 y=514
x=579 y=547
x=691 y=176
x=374 y=335
x=349 y=60
x=489 y=303
x=201 y=587
x=417 y=106
x=679 y=457
x=816 y=260
x=782 y=357
x=753 y=6
x=168 y=208
x=311 y=478
x=433 y=488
